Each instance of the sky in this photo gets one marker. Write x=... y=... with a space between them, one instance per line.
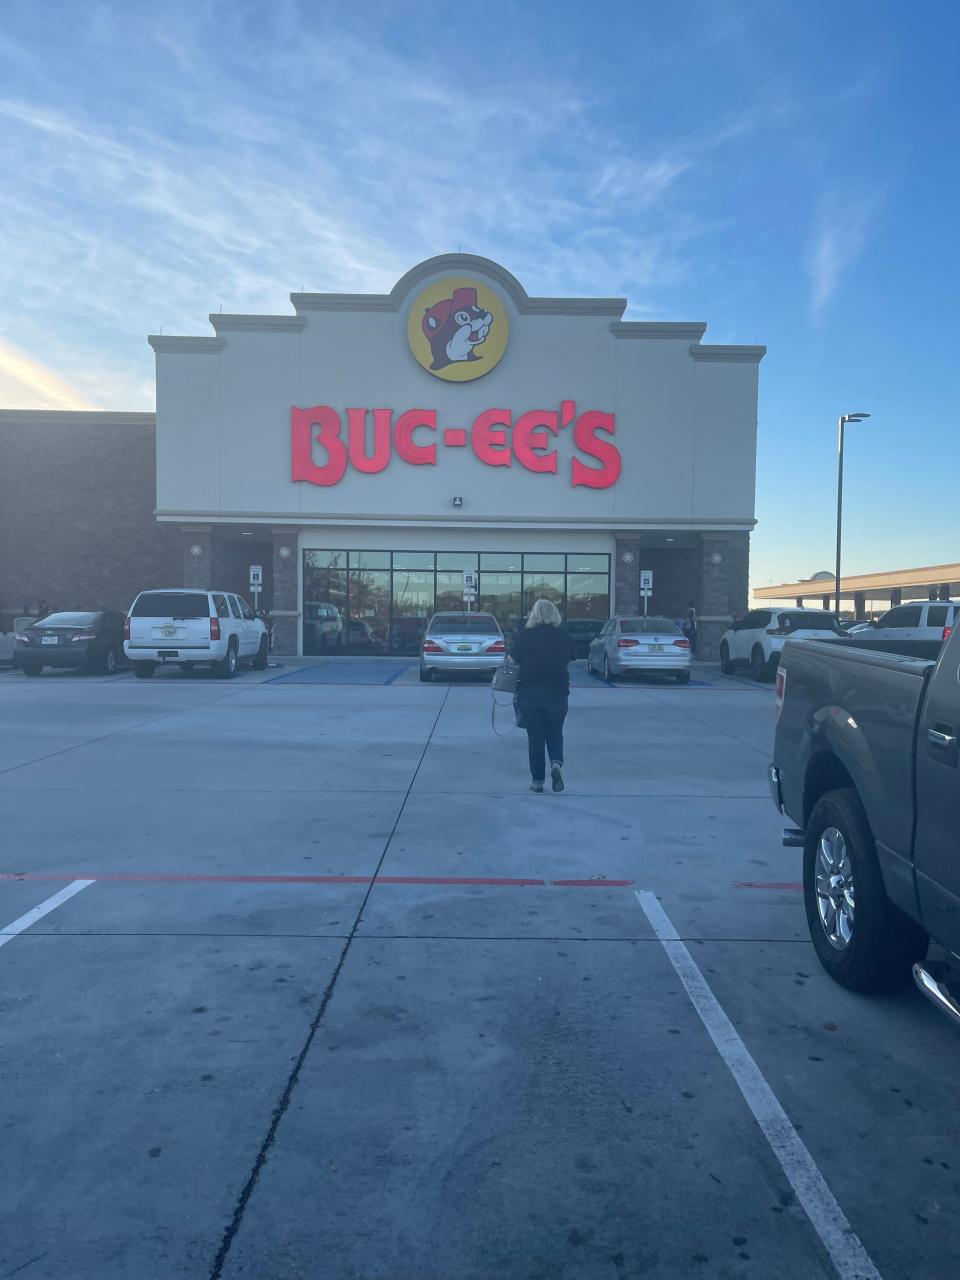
x=786 y=172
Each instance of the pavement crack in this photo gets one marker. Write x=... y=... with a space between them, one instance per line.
x=283 y=1103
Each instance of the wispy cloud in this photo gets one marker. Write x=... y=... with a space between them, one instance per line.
x=313 y=156
x=841 y=231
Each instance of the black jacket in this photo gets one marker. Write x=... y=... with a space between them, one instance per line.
x=542 y=654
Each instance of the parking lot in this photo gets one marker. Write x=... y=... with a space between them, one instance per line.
x=297 y=979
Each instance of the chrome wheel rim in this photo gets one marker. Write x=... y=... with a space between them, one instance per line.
x=111 y=662
x=834 y=889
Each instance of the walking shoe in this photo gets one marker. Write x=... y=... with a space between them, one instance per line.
x=557 y=777
x=536 y=786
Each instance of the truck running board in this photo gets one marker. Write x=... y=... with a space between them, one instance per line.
x=794 y=837
x=931 y=982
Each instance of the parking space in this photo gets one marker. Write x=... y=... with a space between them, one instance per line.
x=343 y=999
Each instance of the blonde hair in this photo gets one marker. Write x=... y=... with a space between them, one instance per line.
x=544 y=614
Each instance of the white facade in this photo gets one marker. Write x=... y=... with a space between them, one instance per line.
x=683 y=418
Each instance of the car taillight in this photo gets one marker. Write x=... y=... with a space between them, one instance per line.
x=126 y=628
x=19 y=635
x=497 y=647
x=775 y=631
x=626 y=642
x=431 y=646
x=946 y=633
x=214 y=628
x=781 y=690
x=84 y=635
x=682 y=644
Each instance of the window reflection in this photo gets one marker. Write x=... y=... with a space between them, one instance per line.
x=382 y=602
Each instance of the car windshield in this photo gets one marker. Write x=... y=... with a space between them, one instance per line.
x=171 y=604
x=67 y=620
x=808 y=622
x=464 y=624
x=646 y=626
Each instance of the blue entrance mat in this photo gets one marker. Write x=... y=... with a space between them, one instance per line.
x=342 y=671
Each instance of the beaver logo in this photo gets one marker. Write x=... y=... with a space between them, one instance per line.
x=457 y=329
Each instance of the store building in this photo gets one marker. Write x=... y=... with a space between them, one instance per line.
x=368 y=449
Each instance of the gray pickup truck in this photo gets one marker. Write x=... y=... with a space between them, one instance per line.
x=866 y=767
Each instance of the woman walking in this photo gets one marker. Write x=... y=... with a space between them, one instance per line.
x=542 y=651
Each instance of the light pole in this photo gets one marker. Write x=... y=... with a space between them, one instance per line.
x=844 y=419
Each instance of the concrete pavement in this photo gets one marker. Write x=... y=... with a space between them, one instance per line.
x=307 y=1020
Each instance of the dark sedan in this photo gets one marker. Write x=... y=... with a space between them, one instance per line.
x=584 y=631
x=92 y=641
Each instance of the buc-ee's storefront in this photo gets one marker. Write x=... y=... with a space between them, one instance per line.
x=368 y=449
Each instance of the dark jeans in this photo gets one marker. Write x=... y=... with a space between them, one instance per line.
x=544 y=711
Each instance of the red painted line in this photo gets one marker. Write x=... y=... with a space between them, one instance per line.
x=183 y=878
x=591 y=884
x=768 y=884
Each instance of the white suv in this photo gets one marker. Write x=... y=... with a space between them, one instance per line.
x=758 y=638
x=189 y=627
x=920 y=620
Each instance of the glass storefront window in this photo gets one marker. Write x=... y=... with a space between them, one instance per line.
x=500 y=595
x=588 y=564
x=369 y=559
x=413 y=560
x=450 y=591
x=543 y=563
x=376 y=609
x=325 y=559
x=459 y=560
x=368 y=621
x=412 y=608
x=502 y=561
x=588 y=595
x=542 y=586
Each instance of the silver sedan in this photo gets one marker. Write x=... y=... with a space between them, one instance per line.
x=630 y=644
x=466 y=643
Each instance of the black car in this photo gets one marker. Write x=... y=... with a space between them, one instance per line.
x=584 y=630
x=92 y=641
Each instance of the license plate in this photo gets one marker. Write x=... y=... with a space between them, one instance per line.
x=168 y=631
x=656 y=648
x=463 y=648
x=49 y=639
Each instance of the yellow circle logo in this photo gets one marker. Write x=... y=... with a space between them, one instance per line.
x=457 y=329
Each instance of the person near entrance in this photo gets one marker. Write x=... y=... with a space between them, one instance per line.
x=690 y=627
x=543 y=651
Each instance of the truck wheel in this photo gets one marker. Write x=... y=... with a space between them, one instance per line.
x=144 y=670
x=260 y=661
x=758 y=665
x=862 y=940
x=226 y=668
x=726 y=666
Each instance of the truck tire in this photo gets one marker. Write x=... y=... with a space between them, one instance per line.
x=144 y=670
x=758 y=665
x=226 y=668
x=726 y=665
x=862 y=940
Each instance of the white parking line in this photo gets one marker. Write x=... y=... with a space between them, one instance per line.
x=850 y=1259
x=8 y=933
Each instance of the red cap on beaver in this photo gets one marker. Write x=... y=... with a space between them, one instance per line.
x=440 y=312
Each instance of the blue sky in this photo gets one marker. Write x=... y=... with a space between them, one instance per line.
x=786 y=172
